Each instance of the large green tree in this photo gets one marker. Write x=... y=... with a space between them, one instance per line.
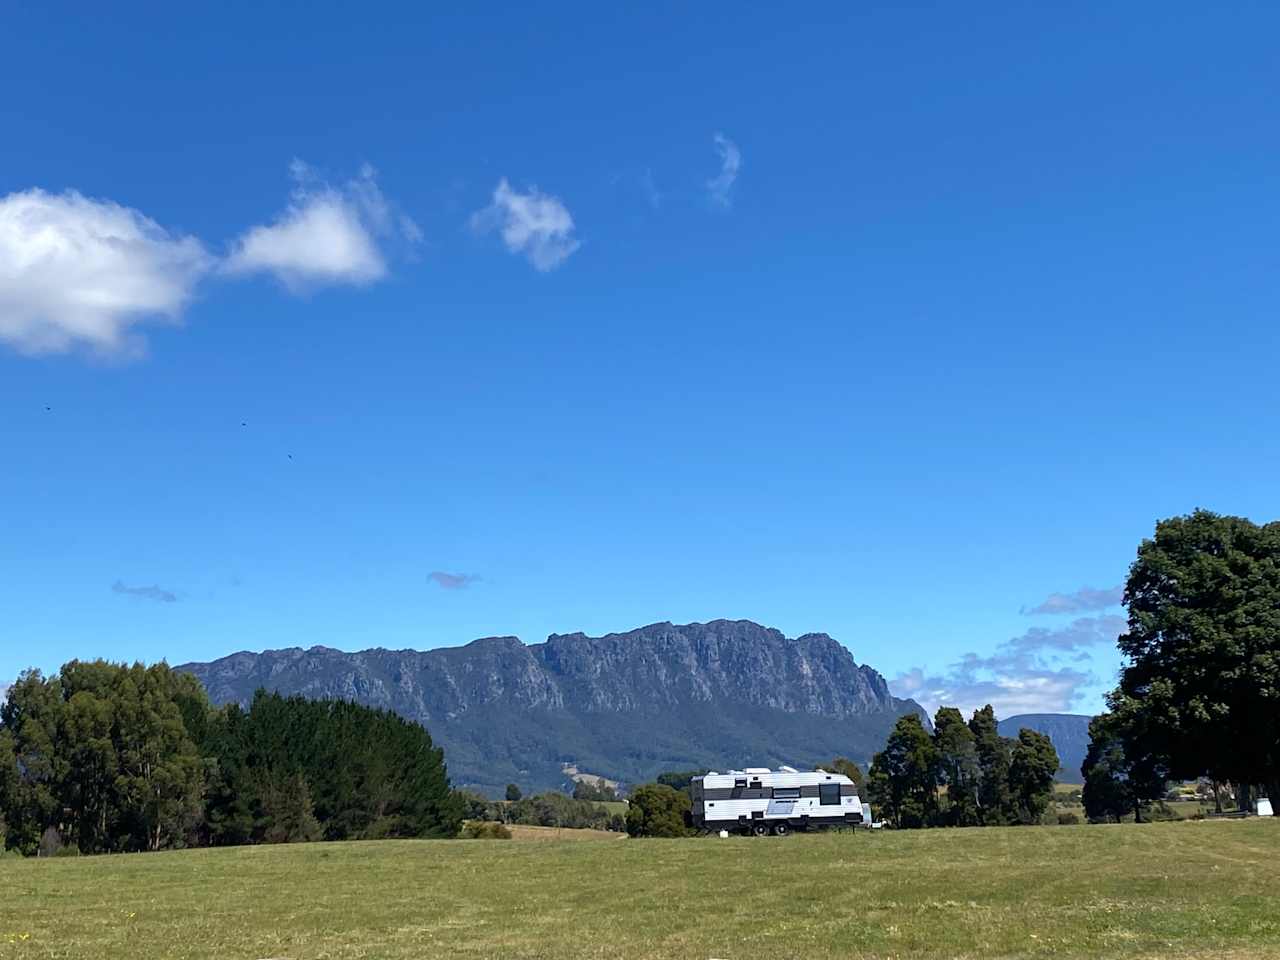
x=904 y=775
x=1203 y=648
x=995 y=803
x=657 y=810
x=1032 y=765
x=958 y=769
x=1120 y=772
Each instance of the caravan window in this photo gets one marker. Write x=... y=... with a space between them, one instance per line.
x=829 y=793
x=786 y=793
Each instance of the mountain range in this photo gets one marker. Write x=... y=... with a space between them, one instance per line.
x=625 y=706
x=1068 y=731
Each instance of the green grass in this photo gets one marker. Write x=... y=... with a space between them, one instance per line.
x=1160 y=890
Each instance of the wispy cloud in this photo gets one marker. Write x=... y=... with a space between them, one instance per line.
x=534 y=224
x=452 y=581
x=721 y=185
x=78 y=272
x=1024 y=675
x=159 y=594
x=4 y=691
x=328 y=235
x=650 y=187
x=1084 y=600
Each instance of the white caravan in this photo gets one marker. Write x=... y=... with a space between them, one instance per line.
x=762 y=801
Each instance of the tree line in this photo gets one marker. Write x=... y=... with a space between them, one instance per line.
x=962 y=774
x=549 y=809
x=103 y=757
x=1199 y=693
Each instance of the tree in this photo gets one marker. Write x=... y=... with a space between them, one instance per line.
x=599 y=792
x=657 y=810
x=1121 y=773
x=113 y=758
x=288 y=814
x=995 y=805
x=904 y=774
x=847 y=767
x=513 y=792
x=1107 y=795
x=958 y=768
x=1203 y=648
x=1032 y=767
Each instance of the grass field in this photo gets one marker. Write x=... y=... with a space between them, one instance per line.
x=1160 y=890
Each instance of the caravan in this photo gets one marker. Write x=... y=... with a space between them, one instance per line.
x=760 y=801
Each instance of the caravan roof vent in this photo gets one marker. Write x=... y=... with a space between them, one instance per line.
x=786 y=769
x=757 y=770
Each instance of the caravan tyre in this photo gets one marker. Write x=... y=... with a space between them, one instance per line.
x=781 y=829
x=760 y=828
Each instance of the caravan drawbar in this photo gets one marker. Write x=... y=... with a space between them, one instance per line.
x=761 y=801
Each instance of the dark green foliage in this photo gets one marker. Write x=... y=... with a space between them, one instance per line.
x=513 y=792
x=554 y=809
x=988 y=779
x=995 y=804
x=1203 y=649
x=368 y=773
x=472 y=806
x=847 y=767
x=1031 y=770
x=1121 y=776
x=657 y=810
x=904 y=775
x=958 y=768
x=107 y=758
x=600 y=792
x=100 y=755
x=1068 y=818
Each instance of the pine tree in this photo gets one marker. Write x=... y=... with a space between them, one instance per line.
x=995 y=804
x=958 y=768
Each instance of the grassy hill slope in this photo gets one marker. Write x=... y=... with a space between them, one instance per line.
x=1160 y=890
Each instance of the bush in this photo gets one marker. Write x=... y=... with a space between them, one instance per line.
x=484 y=830
x=70 y=850
x=657 y=811
x=1068 y=819
x=584 y=790
x=554 y=809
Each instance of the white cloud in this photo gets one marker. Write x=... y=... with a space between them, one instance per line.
x=534 y=224
x=78 y=272
x=1080 y=601
x=1024 y=675
x=328 y=235
x=730 y=163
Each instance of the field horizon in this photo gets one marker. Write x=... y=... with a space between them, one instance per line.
x=1152 y=890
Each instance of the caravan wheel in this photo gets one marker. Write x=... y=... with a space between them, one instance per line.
x=760 y=828
x=781 y=829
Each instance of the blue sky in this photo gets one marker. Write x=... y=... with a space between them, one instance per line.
x=887 y=321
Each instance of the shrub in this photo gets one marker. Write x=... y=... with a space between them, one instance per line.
x=484 y=830
x=1068 y=819
x=657 y=811
x=70 y=850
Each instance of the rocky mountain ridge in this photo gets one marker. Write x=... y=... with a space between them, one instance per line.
x=623 y=705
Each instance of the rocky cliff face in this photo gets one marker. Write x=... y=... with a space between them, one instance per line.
x=625 y=705
x=1068 y=731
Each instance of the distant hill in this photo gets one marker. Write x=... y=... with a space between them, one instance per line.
x=624 y=706
x=1068 y=731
